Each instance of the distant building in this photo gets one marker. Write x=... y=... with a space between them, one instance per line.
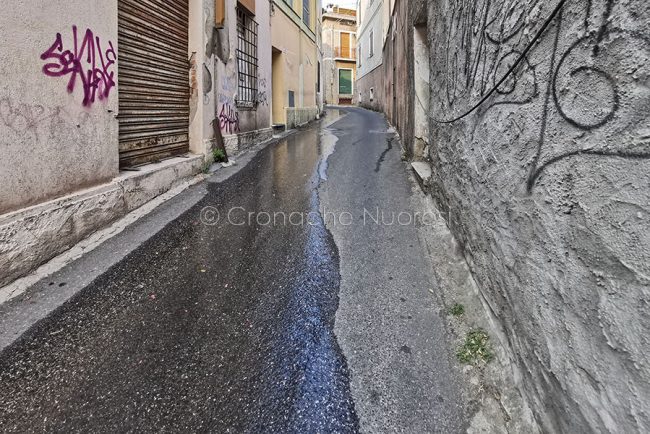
x=295 y=26
x=373 y=20
x=339 y=54
x=393 y=67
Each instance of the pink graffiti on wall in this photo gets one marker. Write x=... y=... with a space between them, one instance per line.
x=86 y=62
x=229 y=120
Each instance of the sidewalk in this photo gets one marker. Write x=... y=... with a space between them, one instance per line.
x=33 y=297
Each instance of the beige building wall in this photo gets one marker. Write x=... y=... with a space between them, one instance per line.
x=295 y=62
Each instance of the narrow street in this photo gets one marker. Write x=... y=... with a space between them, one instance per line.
x=275 y=303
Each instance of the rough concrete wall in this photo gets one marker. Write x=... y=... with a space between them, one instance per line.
x=57 y=134
x=547 y=186
x=234 y=119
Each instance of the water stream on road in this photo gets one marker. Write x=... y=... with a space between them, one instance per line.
x=322 y=401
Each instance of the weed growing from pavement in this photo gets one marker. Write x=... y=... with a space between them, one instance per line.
x=219 y=155
x=476 y=348
x=457 y=309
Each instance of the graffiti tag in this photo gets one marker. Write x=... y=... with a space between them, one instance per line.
x=86 y=62
x=229 y=120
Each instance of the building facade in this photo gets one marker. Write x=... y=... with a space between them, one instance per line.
x=339 y=55
x=373 y=18
x=394 y=77
x=296 y=57
x=241 y=44
x=106 y=104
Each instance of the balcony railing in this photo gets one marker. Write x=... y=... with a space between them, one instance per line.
x=345 y=54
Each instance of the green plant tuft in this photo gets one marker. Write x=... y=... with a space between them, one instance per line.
x=218 y=155
x=457 y=309
x=476 y=348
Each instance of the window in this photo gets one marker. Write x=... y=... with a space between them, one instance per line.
x=372 y=43
x=318 y=79
x=246 y=59
x=372 y=94
x=344 y=44
x=306 y=13
x=345 y=81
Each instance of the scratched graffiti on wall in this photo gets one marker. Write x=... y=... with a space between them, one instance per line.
x=262 y=98
x=262 y=82
x=583 y=75
x=35 y=120
x=229 y=120
x=85 y=62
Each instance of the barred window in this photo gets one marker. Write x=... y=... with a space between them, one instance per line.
x=246 y=59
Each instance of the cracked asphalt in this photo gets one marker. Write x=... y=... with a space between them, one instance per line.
x=278 y=317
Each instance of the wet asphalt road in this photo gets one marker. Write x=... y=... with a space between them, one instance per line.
x=230 y=326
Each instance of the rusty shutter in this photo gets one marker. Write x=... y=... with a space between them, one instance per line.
x=153 y=80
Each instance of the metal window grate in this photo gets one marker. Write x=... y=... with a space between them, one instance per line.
x=246 y=59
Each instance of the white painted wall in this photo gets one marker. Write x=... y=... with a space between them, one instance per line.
x=370 y=17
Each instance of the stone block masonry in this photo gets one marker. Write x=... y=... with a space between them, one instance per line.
x=540 y=129
x=32 y=236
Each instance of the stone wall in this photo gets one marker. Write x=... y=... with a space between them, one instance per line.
x=32 y=236
x=547 y=187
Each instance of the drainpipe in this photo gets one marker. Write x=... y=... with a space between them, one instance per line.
x=219 y=23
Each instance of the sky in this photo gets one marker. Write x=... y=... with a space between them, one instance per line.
x=343 y=3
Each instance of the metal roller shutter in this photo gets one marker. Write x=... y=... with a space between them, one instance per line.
x=153 y=80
